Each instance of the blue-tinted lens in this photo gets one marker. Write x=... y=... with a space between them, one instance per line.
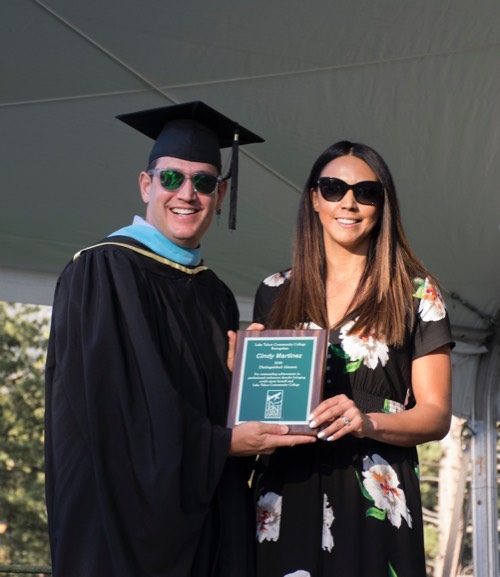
x=204 y=183
x=172 y=180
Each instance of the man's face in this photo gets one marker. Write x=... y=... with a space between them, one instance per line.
x=183 y=216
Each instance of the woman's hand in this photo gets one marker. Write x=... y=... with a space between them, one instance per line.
x=338 y=416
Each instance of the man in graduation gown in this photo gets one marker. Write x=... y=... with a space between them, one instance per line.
x=143 y=477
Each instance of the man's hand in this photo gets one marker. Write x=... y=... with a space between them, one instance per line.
x=254 y=438
x=231 y=335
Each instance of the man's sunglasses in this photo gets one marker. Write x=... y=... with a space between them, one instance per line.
x=173 y=180
x=334 y=189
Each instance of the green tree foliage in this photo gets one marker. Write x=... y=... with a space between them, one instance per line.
x=429 y=456
x=23 y=342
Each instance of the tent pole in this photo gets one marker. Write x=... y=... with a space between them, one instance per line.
x=484 y=474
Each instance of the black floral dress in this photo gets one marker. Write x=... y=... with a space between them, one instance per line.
x=350 y=507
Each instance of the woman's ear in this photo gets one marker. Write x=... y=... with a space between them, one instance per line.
x=314 y=198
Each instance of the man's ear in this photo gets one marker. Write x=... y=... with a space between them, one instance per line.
x=145 y=186
x=221 y=193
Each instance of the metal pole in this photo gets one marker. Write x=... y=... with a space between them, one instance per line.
x=484 y=475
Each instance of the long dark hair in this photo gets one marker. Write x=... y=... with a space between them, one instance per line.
x=383 y=301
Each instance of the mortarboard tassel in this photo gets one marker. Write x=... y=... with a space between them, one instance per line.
x=233 y=201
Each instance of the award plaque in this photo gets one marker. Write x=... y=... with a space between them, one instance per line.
x=278 y=377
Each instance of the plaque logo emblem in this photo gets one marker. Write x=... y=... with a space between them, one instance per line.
x=274 y=404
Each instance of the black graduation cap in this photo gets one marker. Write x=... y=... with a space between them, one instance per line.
x=195 y=132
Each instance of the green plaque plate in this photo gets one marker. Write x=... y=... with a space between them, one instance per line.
x=278 y=377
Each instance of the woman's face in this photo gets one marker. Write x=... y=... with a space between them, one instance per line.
x=346 y=222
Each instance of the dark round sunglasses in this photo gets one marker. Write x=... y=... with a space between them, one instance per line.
x=172 y=180
x=334 y=189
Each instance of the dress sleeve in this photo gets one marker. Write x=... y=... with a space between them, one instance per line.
x=266 y=295
x=432 y=328
x=260 y=310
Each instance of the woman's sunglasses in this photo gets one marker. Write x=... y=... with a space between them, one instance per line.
x=334 y=189
x=173 y=180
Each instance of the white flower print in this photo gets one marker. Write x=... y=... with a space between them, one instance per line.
x=328 y=517
x=269 y=517
x=309 y=325
x=299 y=573
x=382 y=483
x=363 y=346
x=277 y=279
x=431 y=307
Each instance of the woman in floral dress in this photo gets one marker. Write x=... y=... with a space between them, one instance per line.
x=349 y=504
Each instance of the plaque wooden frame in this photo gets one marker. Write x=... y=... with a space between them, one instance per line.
x=255 y=386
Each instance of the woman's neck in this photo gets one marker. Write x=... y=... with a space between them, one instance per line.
x=343 y=275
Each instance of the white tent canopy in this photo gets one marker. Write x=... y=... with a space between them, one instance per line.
x=419 y=81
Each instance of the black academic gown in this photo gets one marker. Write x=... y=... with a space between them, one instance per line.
x=139 y=483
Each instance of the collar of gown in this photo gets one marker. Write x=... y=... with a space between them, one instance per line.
x=149 y=236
